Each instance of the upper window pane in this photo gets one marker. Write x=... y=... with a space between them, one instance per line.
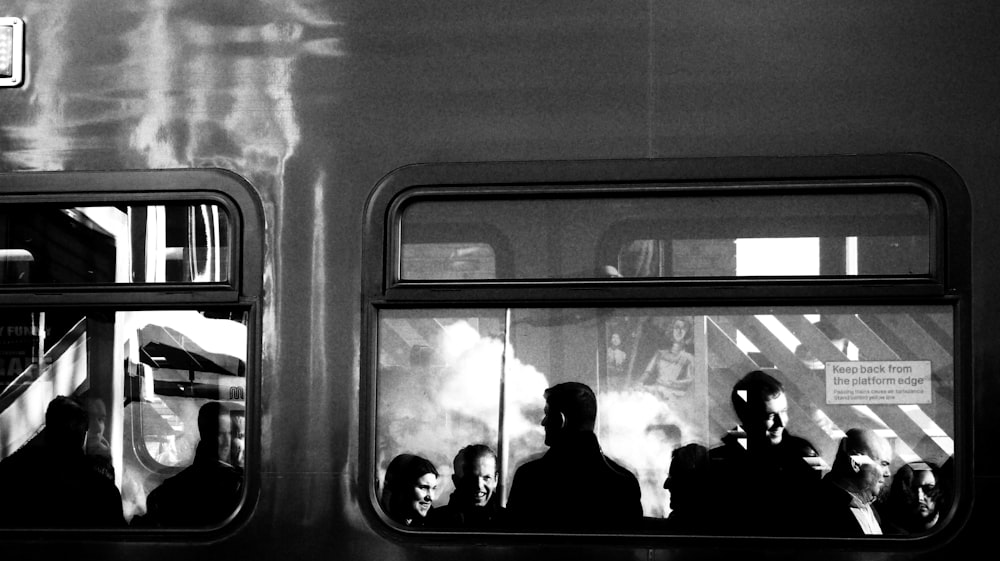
x=58 y=244
x=450 y=261
x=672 y=235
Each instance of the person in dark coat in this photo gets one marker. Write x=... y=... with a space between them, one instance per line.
x=760 y=467
x=843 y=506
x=53 y=485
x=474 y=504
x=208 y=491
x=573 y=486
x=409 y=490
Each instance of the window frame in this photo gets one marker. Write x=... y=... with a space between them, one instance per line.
x=948 y=281
x=243 y=291
x=213 y=186
x=939 y=184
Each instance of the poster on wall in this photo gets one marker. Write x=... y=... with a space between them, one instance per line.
x=18 y=347
x=654 y=396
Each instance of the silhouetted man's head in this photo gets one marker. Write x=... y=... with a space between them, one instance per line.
x=687 y=478
x=66 y=425
x=569 y=407
x=475 y=475
x=762 y=407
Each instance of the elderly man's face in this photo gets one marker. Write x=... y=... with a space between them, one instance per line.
x=874 y=472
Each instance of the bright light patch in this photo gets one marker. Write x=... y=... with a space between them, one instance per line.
x=11 y=51
x=770 y=257
x=790 y=341
x=6 y=50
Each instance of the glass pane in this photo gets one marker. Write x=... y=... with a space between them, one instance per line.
x=179 y=243
x=667 y=383
x=448 y=261
x=100 y=410
x=879 y=234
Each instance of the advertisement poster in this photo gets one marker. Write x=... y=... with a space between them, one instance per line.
x=18 y=346
x=655 y=395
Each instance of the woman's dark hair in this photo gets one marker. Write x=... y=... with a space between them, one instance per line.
x=402 y=475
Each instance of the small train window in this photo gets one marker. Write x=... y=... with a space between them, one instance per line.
x=128 y=305
x=675 y=234
x=138 y=243
x=665 y=350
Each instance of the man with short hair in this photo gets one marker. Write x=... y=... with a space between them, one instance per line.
x=573 y=485
x=760 y=465
x=208 y=491
x=474 y=502
x=858 y=475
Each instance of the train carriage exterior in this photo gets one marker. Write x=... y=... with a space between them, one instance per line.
x=368 y=229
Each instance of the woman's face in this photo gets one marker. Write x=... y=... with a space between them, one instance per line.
x=424 y=492
x=680 y=330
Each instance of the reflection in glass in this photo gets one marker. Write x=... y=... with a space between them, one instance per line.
x=48 y=244
x=143 y=376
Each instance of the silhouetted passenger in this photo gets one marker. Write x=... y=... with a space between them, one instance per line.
x=410 y=489
x=912 y=504
x=688 y=480
x=53 y=485
x=208 y=491
x=843 y=506
x=574 y=485
x=474 y=502
x=98 y=448
x=760 y=466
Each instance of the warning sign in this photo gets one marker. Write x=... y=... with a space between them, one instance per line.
x=890 y=382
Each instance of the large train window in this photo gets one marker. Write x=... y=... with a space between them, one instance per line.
x=677 y=348
x=128 y=311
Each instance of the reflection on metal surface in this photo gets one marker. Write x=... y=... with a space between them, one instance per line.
x=181 y=84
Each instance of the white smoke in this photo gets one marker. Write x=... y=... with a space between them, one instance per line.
x=640 y=430
x=435 y=411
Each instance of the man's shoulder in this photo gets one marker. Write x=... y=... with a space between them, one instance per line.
x=727 y=454
x=831 y=495
x=621 y=470
x=799 y=446
x=532 y=465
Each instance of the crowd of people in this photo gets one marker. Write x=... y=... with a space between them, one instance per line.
x=65 y=478
x=760 y=480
